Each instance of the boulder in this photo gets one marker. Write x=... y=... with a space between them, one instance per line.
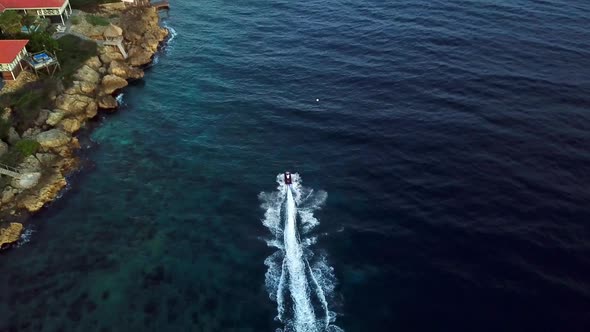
x=94 y=63
x=3 y=148
x=53 y=138
x=110 y=54
x=10 y=234
x=82 y=88
x=31 y=132
x=30 y=164
x=111 y=83
x=42 y=118
x=87 y=74
x=139 y=56
x=46 y=159
x=76 y=104
x=8 y=194
x=7 y=113
x=107 y=102
x=121 y=69
x=55 y=117
x=112 y=31
x=70 y=125
x=13 y=136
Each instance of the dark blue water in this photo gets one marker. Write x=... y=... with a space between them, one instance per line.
x=451 y=138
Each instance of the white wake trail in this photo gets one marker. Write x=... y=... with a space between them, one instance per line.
x=304 y=315
x=300 y=281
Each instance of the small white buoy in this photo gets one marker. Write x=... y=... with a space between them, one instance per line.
x=317 y=99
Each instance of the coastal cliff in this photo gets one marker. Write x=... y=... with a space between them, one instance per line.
x=92 y=90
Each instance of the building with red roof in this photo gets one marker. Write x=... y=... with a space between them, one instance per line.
x=43 y=8
x=12 y=53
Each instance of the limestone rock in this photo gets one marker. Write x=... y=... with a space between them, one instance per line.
x=70 y=125
x=47 y=193
x=8 y=194
x=31 y=132
x=138 y=56
x=111 y=83
x=53 y=138
x=107 y=102
x=82 y=88
x=3 y=148
x=10 y=234
x=55 y=117
x=46 y=159
x=94 y=63
x=112 y=31
x=30 y=164
x=110 y=54
x=121 y=69
x=42 y=118
x=13 y=136
x=87 y=74
x=76 y=104
x=7 y=113
x=27 y=180
x=142 y=30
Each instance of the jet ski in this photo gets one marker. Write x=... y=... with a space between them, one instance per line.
x=288 y=178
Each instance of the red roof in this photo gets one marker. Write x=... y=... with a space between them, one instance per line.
x=9 y=49
x=25 y=4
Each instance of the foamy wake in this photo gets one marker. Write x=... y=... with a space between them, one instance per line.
x=298 y=279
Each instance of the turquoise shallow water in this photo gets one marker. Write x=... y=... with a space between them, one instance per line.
x=450 y=137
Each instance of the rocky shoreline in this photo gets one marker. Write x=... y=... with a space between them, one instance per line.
x=93 y=90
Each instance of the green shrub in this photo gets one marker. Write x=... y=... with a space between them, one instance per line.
x=41 y=41
x=10 y=23
x=28 y=101
x=27 y=147
x=72 y=53
x=4 y=128
x=97 y=20
x=75 y=20
x=89 y=4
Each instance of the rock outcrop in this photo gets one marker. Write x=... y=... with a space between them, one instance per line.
x=87 y=74
x=142 y=30
x=123 y=70
x=93 y=86
x=77 y=104
x=55 y=117
x=53 y=138
x=70 y=125
x=112 y=83
x=107 y=102
x=10 y=234
x=48 y=192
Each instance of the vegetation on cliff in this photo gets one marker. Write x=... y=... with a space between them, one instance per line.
x=89 y=4
x=72 y=53
x=39 y=115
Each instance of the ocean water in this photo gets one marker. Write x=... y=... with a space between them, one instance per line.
x=443 y=153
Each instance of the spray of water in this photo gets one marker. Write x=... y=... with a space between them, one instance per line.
x=299 y=280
